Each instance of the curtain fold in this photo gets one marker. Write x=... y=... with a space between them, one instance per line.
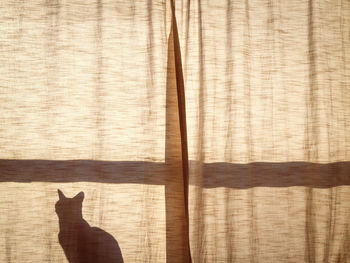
x=252 y=165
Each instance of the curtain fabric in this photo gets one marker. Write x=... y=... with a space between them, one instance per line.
x=175 y=131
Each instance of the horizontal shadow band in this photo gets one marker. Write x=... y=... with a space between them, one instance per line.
x=230 y=175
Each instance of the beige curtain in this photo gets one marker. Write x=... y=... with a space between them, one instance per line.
x=203 y=131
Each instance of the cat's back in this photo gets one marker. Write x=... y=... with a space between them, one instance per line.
x=107 y=249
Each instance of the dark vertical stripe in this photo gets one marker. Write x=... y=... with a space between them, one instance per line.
x=182 y=120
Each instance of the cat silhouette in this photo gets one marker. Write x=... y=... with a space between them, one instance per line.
x=80 y=242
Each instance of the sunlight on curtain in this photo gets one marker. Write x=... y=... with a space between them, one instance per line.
x=83 y=108
x=89 y=103
x=268 y=110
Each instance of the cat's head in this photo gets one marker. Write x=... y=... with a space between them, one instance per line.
x=69 y=208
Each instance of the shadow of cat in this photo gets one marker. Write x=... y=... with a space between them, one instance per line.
x=80 y=242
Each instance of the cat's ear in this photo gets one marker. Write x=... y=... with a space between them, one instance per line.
x=60 y=194
x=79 y=197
